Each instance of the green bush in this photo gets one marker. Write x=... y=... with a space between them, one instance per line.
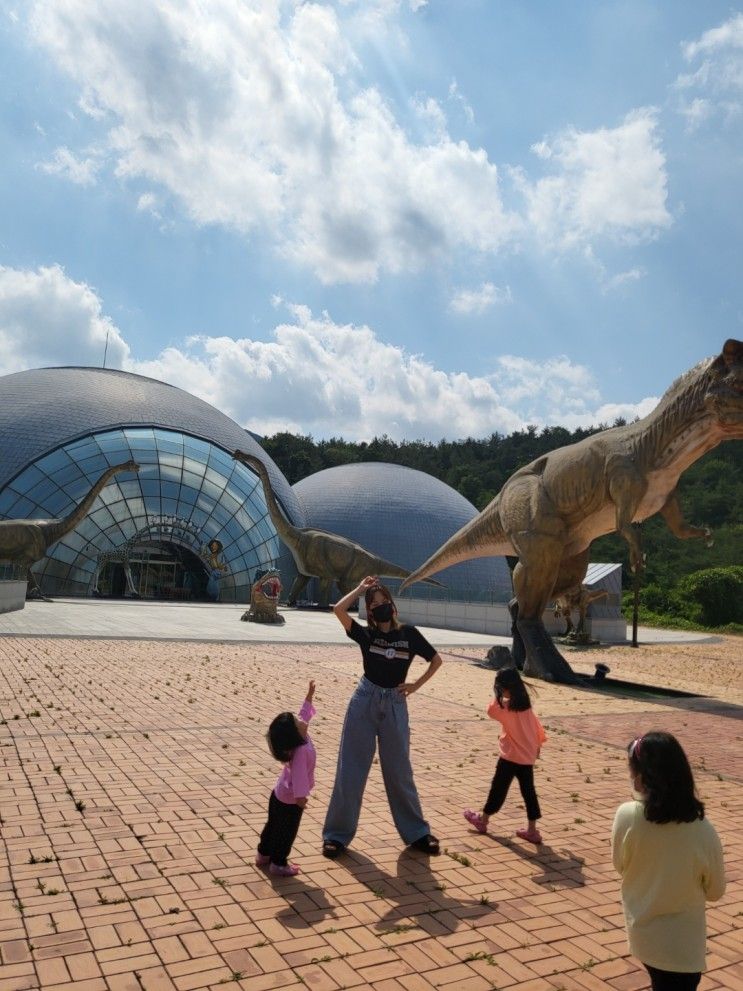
x=715 y=595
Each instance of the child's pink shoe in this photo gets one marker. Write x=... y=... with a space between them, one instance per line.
x=262 y=860
x=283 y=870
x=476 y=820
x=530 y=835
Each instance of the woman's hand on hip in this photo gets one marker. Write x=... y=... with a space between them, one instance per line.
x=407 y=688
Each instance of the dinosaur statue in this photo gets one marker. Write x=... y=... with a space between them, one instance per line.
x=264 y=600
x=318 y=553
x=548 y=512
x=579 y=598
x=27 y=541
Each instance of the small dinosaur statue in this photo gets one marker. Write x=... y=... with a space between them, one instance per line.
x=318 y=553
x=579 y=598
x=548 y=512
x=264 y=600
x=27 y=541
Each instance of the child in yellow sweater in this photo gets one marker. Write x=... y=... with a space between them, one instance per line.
x=670 y=859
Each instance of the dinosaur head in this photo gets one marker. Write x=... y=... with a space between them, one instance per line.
x=724 y=394
x=128 y=466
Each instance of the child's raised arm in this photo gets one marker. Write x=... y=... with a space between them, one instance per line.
x=310 y=692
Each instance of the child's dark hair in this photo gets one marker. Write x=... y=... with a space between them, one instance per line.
x=509 y=680
x=667 y=781
x=284 y=737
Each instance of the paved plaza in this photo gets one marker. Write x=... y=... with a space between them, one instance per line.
x=136 y=779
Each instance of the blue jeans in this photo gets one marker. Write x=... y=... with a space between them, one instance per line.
x=374 y=715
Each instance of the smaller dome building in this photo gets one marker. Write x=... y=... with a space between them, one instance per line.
x=402 y=515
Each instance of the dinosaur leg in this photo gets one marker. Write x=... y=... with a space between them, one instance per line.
x=674 y=517
x=33 y=589
x=298 y=586
x=326 y=585
x=627 y=488
x=533 y=580
x=518 y=650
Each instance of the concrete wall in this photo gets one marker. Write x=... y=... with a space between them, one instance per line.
x=12 y=595
x=494 y=619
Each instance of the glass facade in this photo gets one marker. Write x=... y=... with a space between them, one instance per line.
x=152 y=528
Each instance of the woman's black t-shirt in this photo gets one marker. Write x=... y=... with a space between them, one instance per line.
x=387 y=656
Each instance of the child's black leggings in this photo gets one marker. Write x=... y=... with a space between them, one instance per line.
x=505 y=772
x=280 y=831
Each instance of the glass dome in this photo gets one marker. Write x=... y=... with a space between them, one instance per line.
x=148 y=533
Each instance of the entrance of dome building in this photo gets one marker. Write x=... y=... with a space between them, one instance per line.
x=157 y=571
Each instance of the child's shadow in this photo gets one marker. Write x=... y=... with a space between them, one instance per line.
x=307 y=904
x=560 y=869
x=417 y=895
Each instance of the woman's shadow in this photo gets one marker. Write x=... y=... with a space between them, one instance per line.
x=419 y=898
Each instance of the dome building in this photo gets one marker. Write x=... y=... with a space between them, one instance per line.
x=163 y=532
x=404 y=515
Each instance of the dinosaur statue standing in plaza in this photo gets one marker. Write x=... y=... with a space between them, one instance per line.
x=25 y=542
x=318 y=553
x=548 y=512
x=579 y=598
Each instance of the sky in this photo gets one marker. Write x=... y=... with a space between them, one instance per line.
x=421 y=218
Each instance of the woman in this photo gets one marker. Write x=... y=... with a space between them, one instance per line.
x=670 y=860
x=378 y=713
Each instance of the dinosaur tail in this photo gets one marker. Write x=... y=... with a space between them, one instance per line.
x=483 y=536
x=388 y=570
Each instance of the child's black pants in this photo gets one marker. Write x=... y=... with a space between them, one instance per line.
x=280 y=831
x=505 y=772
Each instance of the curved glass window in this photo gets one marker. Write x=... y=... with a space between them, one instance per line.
x=148 y=533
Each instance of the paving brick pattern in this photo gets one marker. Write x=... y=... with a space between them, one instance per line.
x=136 y=779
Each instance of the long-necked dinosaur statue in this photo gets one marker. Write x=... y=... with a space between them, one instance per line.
x=26 y=541
x=318 y=553
x=548 y=512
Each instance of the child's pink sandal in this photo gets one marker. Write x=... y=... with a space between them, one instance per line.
x=283 y=870
x=530 y=835
x=476 y=820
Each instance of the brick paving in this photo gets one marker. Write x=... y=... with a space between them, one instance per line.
x=135 y=782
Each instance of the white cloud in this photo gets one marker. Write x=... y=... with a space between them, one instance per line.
x=64 y=163
x=252 y=116
x=610 y=182
x=314 y=375
x=726 y=36
x=148 y=203
x=623 y=278
x=715 y=86
x=456 y=94
x=479 y=300
x=48 y=319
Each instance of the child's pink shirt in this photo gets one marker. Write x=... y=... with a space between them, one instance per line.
x=522 y=736
x=297 y=778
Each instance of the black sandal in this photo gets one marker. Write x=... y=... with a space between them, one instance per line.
x=427 y=844
x=331 y=849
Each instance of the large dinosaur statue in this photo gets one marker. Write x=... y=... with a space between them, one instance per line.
x=26 y=541
x=548 y=512
x=318 y=553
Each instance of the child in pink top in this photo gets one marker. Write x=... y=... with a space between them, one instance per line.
x=520 y=741
x=289 y=742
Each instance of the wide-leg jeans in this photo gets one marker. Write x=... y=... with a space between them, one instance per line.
x=374 y=716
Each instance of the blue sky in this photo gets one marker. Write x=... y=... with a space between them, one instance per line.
x=426 y=219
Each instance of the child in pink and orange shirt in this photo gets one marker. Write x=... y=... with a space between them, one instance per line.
x=289 y=742
x=520 y=741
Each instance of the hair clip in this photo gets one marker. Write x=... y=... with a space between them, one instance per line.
x=634 y=750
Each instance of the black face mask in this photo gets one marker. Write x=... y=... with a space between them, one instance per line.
x=383 y=613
